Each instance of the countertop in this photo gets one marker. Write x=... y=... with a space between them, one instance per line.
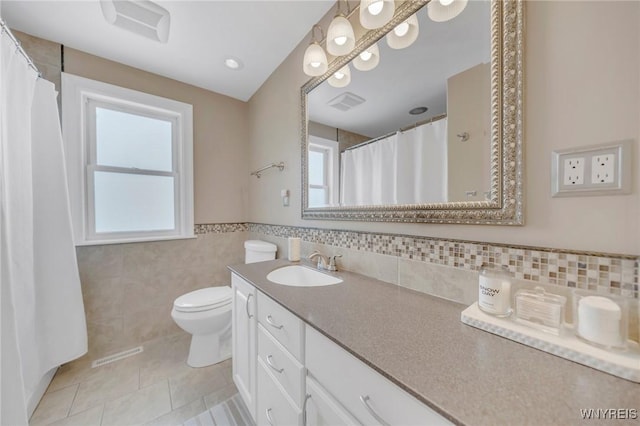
x=417 y=341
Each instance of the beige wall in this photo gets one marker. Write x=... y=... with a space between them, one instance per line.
x=468 y=112
x=129 y=289
x=581 y=88
x=45 y=54
x=220 y=134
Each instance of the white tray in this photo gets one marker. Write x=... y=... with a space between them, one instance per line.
x=625 y=364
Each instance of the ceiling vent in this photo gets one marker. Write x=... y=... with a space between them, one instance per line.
x=346 y=101
x=138 y=16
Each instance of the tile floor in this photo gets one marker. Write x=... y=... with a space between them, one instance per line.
x=155 y=387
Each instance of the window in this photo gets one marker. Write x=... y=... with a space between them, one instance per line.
x=129 y=161
x=323 y=172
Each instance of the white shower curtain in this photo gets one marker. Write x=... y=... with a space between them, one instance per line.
x=368 y=174
x=43 y=321
x=422 y=152
x=405 y=168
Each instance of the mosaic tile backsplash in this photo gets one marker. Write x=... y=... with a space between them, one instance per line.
x=219 y=228
x=615 y=274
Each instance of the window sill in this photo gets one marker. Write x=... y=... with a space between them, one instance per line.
x=134 y=240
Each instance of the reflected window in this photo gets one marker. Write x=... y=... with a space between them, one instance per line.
x=322 y=172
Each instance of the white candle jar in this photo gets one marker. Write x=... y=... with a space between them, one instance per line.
x=494 y=291
x=601 y=319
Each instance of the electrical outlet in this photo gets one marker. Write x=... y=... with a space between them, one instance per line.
x=592 y=170
x=603 y=168
x=573 y=171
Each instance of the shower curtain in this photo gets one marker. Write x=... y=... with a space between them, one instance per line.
x=43 y=322
x=368 y=174
x=405 y=168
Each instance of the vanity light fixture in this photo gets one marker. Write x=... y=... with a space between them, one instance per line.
x=340 y=37
x=376 y=13
x=341 y=78
x=404 y=34
x=445 y=10
x=368 y=59
x=315 y=60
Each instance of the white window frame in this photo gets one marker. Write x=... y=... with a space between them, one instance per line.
x=80 y=97
x=330 y=150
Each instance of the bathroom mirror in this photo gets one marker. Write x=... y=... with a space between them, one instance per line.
x=365 y=158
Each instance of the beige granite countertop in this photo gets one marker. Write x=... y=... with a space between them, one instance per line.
x=418 y=342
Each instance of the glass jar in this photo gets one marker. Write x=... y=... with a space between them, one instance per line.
x=494 y=291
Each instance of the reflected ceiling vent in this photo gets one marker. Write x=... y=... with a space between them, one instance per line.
x=138 y=16
x=346 y=101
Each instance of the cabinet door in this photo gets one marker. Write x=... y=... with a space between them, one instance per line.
x=369 y=397
x=322 y=410
x=244 y=341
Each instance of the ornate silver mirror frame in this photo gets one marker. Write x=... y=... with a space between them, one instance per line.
x=506 y=203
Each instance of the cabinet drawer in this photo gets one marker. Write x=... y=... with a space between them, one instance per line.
x=282 y=324
x=323 y=410
x=371 y=398
x=284 y=367
x=274 y=407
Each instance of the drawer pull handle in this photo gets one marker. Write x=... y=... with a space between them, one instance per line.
x=365 y=401
x=279 y=370
x=269 y=418
x=273 y=324
x=249 y=296
x=304 y=411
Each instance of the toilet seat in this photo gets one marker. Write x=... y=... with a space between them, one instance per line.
x=204 y=299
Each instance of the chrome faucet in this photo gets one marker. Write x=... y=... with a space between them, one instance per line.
x=324 y=262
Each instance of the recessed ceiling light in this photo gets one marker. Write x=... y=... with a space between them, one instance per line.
x=418 y=110
x=233 y=63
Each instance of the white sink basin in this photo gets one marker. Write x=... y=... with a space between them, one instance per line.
x=301 y=276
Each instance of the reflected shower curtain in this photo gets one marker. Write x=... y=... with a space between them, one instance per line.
x=405 y=168
x=43 y=322
x=368 y=174
x=422 y=152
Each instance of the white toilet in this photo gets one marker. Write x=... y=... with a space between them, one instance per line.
x=206 y=313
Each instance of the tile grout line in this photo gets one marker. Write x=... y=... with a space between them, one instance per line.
x=102 y=414
x=170 y=398
x=75 y=395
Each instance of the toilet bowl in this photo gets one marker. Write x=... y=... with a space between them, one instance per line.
x=206 y=313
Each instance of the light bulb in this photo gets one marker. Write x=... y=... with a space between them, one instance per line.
x=402 y=29
x=315 y=64
x=339 y=75
x=376 y=7
x=340 y=41
x=366 y=55
x=446 y=2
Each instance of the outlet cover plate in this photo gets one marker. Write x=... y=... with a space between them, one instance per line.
x=602 y=170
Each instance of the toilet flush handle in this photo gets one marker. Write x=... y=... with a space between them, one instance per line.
x=249 y=296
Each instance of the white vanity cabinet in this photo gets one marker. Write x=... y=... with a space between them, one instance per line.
x=281 y=373
x=322 y=409
x=368 y=396
x=288 y=373
x=244 y=349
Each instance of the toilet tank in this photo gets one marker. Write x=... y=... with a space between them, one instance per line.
x=258 y=251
